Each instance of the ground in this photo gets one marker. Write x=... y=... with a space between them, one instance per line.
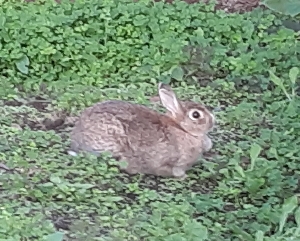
x=231 y=192
x=245 y=188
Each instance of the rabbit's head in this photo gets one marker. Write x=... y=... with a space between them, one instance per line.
x=193 y=117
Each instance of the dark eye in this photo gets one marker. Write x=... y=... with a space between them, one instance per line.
x=196 y=114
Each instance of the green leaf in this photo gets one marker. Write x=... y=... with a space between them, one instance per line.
x=297 y=217
x=240 y=170
x=241 y=233
x=279 y=83
x=254 y=152
x=289 y=205
x=22 y=64
x=259 y=236
x=202 y=233
x=199 y=31
x=83 y=185
x=288 y=7
x=56 y=180
x=175 y=237
x=293 y=74
x=177 y=73
x=282 y=222
x=276 y=80
x=140 y=20
x=123 y=164
x=253 y=184
x=2 y=21
x=57 y=236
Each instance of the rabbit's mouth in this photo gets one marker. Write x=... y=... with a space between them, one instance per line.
x=197 y=133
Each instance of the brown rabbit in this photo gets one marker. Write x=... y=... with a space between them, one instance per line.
x=150 y=142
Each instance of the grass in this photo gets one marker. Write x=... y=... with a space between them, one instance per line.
x=245 y=189
x=237 y=192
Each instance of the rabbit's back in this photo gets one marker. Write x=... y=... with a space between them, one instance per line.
x=129 y=131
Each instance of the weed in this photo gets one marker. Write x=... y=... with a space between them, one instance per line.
x=58 y=59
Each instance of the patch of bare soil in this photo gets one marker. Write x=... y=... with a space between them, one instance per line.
x=45 y=119
x=228 y=5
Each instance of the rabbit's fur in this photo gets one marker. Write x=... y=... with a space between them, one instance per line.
x=150 y=142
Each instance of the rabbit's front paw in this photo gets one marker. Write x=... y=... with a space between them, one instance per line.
x=181 y=178
x=179 y=173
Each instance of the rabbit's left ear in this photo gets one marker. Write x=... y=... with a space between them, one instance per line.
x=169 y=100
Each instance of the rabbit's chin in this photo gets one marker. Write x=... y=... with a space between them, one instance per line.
x=207 y=144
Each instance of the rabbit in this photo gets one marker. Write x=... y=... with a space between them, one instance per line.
x=150 y=142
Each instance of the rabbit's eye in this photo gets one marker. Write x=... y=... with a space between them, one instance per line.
x=195 y=114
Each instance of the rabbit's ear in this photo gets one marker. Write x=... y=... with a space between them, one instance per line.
x=169 y=100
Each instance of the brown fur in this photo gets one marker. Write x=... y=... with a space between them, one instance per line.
x=150 y=142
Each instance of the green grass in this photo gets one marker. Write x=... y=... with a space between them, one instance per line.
x=237 y=192
x=245 y=189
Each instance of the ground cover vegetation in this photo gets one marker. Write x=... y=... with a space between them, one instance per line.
x=55 y=59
